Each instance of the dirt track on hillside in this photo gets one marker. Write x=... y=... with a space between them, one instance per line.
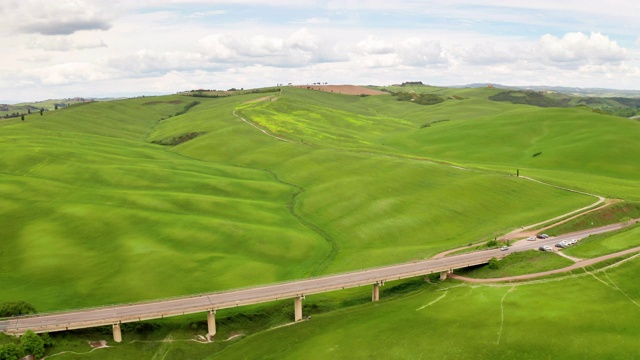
x=578 y=265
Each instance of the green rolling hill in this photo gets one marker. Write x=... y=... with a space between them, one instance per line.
x=138 y=199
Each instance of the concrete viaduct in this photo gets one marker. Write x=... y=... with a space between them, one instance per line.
x=297 y=290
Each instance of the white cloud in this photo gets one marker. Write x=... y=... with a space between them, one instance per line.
x=575 y=49
x=317 y=21
x=299 y=49
x=570 y=51
x=63 y=43
x=156 y=43
x=148 y=62
x=377 y=52
x=218 y=46
x=258 y=46
x=374 y=46
x=61 y=17
x=420 y=52
x=69 y=73
x=302 y=40
x=39 y=58
x=227 y=46
x=201 y=14
x=489 y=53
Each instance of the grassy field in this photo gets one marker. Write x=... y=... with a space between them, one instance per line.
x=572 y=147
x=35 y=107
x=233 y=201
x=603 y=244
x=592 y=315
x=94 y=211
x=508 y=321
x=93 y=214
x=611 y=214
x=520 y=263
x=392 y=208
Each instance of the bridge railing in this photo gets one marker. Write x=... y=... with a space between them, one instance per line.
x=180 y=297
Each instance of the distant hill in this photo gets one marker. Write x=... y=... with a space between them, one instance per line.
x=15 y=110
x=343 y=89
x=620 y=106
x=625 y=103
x=575 y=91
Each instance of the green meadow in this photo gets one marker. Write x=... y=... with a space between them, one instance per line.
x=258 y=188
x=520 y=263
x=94 y=212
x=587 y=315
x=572 y=147
x=614 y=213
x=590 y=316
x=603 y=244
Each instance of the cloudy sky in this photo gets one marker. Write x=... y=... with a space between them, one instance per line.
x=99 y=48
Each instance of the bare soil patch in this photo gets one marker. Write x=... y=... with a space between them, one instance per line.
x=98 y=344
x=343 y=89
x=264 y=98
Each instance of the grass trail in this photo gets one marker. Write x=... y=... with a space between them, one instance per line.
x=502 y=314
x=619 y=289
x=433 y=302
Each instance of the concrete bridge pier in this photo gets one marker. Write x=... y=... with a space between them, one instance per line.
x=117 y=333
x=443 y=275
x=375 y=293
x=211 y=323
x=297 y=306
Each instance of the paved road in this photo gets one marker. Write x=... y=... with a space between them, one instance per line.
x=577 y=265
x=109 y=315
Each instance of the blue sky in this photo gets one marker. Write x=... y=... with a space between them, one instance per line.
x=93 y=48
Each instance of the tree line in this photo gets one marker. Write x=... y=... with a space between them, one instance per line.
x=21 y=115
x=29 y=343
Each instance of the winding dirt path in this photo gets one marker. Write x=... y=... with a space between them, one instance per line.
x=521 y=233
x=261 y=129
x=572 y=258
x=527 y=230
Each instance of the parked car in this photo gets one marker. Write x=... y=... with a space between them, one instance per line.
x=546 y=248
x=531 y=238
x=504 y=248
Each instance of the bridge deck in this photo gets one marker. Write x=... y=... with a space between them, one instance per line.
x=84 y=318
